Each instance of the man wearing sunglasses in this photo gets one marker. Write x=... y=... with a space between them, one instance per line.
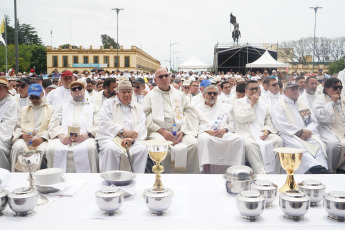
x=108 y=91
x=8 y=119
x=22 y=98
x=273 y=93
x=297 y=127
x=164 y=107
x=253 y=123
x=75 y=117
x=32 y=125
x=62 y=94
x=186 y=87
x=329 y=110
x=226 y=92
x=139 y=90
x=216 y=136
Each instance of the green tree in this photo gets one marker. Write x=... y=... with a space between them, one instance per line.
x=337 y=66
x=108 y=41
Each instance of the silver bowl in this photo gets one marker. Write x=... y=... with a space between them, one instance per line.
x=266 y=188
x=314 y=189
x=294 y=204
x=334 y=204
x=3 y=199
x=22 y=201
x=109 y=200
x=117 y=177
x=250 y=204
x=238 y=178
x=158 y=200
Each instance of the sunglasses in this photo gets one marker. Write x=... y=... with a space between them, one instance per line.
x=137 y=87
x=254 y=88
x=186 y=87
x=21 y=86
x=34 y=98
x=212 y=93
x=336 y=87
x=77 y=88
x=165 y=75
x=274 y=84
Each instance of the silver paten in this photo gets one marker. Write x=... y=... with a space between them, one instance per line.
x=294 y=204
x=314 y=189
x=22 y=201
x=109 y=200
x=118 y=178
x=250 y=204
x=158 y=200
x=334 y=204
x=238 y=178
x=266 y=188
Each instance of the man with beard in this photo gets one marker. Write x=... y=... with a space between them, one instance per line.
x=216 y=135
x=309 y=95
x=89 y=87
x=109 y=85
x=300 y=81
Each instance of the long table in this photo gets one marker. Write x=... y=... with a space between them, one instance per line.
x=200 y=202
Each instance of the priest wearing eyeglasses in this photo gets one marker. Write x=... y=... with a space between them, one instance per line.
x=31 y=131
x=329 y=110
x=218 y=144
x=139 y=91
x=72 y=130
x=164 y=107
x=273 y=95
x=22 y=98
x=252 y=122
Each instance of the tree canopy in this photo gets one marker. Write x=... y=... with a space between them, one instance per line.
x=337 y=66
x=108 y=41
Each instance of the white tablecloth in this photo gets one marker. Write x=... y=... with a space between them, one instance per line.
x=201 y=202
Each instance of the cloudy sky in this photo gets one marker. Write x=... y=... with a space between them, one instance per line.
x=196 y=25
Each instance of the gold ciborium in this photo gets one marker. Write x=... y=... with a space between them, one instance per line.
x=290 y=160
x=158 y=150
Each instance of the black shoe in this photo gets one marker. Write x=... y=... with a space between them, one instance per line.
x=340 y=171
x=318 y=169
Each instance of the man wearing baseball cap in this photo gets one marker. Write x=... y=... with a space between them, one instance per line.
x=72 y=130
x=8 y=119
x=62 y=94
x=31 y=130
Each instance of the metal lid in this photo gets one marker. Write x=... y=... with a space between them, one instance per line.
x=294 y=195
x=23 y=193
x=338 y=196
x=263 y=185
x=311 y=184
x=239 y=172
x=110 y=191
x=250 y=196
x=155 y=192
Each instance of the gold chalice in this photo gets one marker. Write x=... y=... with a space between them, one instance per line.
x=158 y=150
x=290 y=160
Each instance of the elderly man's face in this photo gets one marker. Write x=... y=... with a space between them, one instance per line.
x=312 y=85
x=138 y=88
x=226 y=88
x=3 y=91
x=211 y=96
x=66 y=81
x=162 y=79
x=292 y=93
x=273 y=87
x=125 y=96
x=36 y=100
x=78 y=93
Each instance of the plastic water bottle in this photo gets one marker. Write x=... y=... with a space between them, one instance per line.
x=215 y=125
x=30 y=143
x=174 y=130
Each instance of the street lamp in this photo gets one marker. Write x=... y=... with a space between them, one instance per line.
x=171 y=44
x=174 y=59
x=315 y=10
x=117 y=36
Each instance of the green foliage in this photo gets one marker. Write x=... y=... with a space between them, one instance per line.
x=66 y=46
x=108 y=41
x=337 y=66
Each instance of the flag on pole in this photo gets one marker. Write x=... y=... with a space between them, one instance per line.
x=2 y=27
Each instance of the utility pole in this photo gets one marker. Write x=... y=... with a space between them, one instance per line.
x=315 y=10
x=6 y=41
x=16 y=35
x=117 y=36
x=171 y=44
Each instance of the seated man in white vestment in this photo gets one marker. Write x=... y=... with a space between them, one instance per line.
x=62 y=94
x=186 y=87
x=108 y=91
x=273 y=95
x=194 y=91
x=22 y=98
x=218 y=145
x=226 y=93
x=329 y=110
x=164 y=107
x=139 y=91
x=297 y=127
x=8 y=119
x=309 y=95
x=121 y=123
x=72 y=130
x=199 y=98
x=253 y=122
x=31 y=131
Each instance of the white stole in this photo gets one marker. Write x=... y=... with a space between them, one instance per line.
x=80 y=150
x=266 y=146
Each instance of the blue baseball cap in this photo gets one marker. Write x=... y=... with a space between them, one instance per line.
x=205 y=83
x=35 y=89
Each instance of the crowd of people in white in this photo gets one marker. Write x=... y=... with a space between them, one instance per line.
x=86 y=123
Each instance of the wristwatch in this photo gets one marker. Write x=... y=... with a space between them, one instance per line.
x=121 y=131
x=89 y=134
x=226 y=130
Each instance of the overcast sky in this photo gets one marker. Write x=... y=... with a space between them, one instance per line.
x=196 y=25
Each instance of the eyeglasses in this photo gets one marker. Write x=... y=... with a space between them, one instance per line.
x=20 y=85
x=212 y=93
x=137 y=87
x=186 y=87
x=254 y=88
x=34 y=98
x=77 y=88
x=165 y=75
x=274 y=84
x=337 y=87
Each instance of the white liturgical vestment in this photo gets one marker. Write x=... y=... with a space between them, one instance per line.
x=76 y=157
x=225 y=98
x=98 y=99
x=270 y=99
x=228 y=150
x=8 y=119
x=308 y=98
x=115 y=116
x=59 y=96
x=249 y=123
x=21 y=102
x=287 y=118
